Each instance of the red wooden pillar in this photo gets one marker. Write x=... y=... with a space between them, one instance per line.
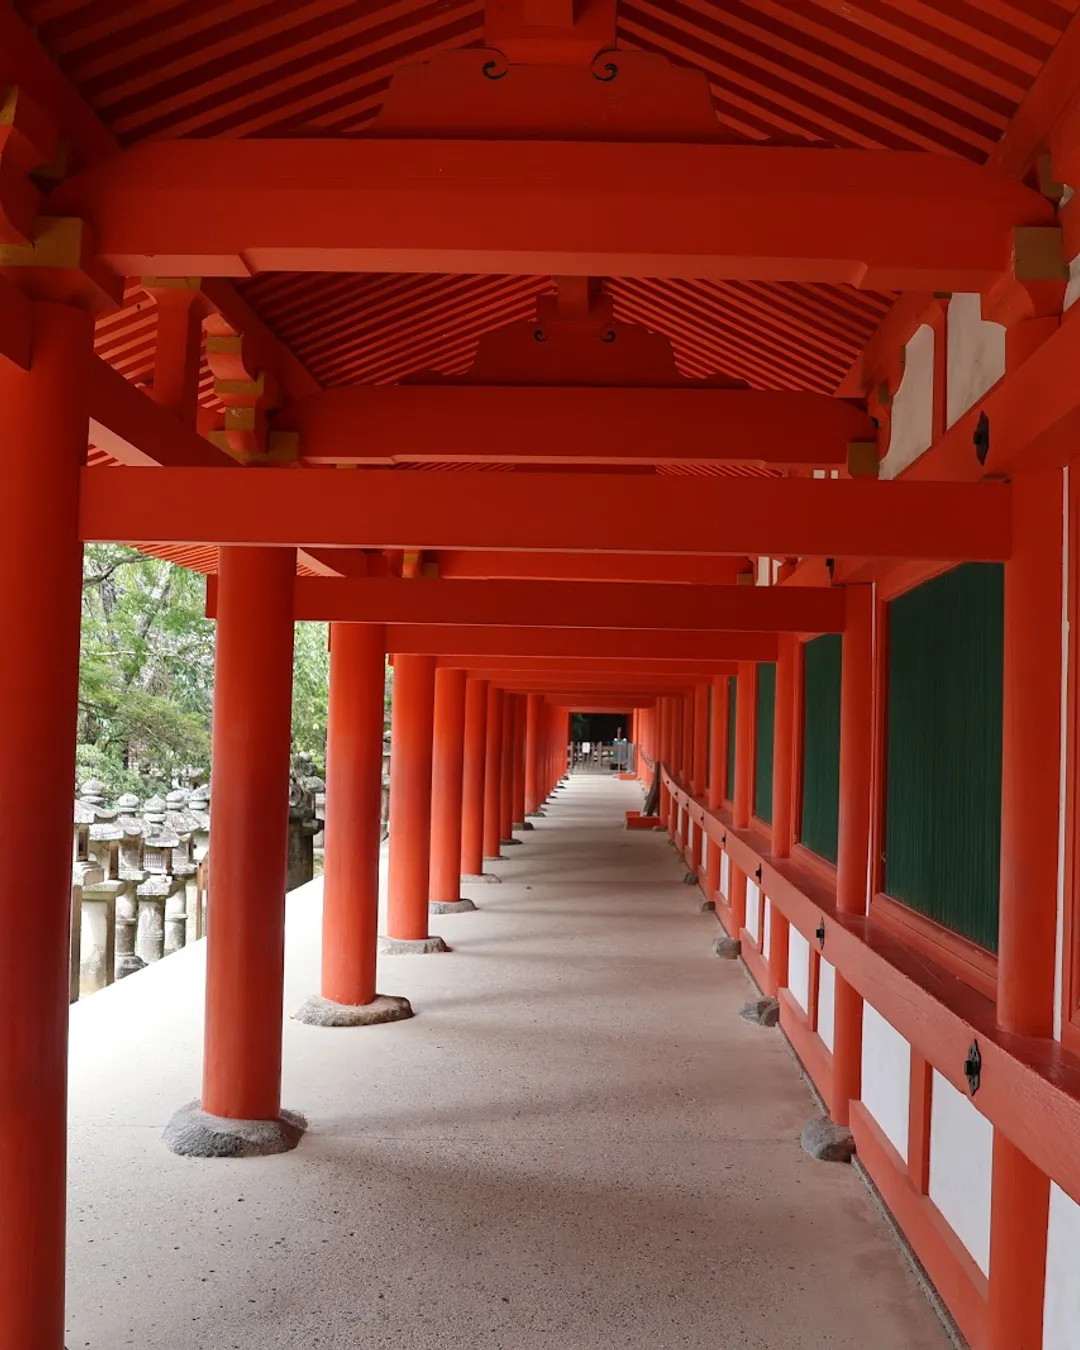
x=412 y=718
x=853 y=840
x=718 y=760
x=447 y=793
x=663 y=755
x=177 y=348
x=472 y=788
x=698 y=770
x=43 y=431
x=245 y=949
x=517 y=795
x=534 y=723
x=493 y=773
x=745 y=701
x=506 y=771
x=1030 y=806
x=354 y=749
x=783 y=798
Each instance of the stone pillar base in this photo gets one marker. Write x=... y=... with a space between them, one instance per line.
x=522 y=825
x=705 y=906
x=451 y=907
x=691 y=879
x=728 y=949
x=507 y=843
x=827 y=1141
x=194 y=1133
x=389 y=946
x=534 y=815
x=481 y=878
x=764 y=1012
x=129 y=964
x=324 y=1012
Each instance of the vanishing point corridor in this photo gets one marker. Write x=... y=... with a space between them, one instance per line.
x=576 y=1144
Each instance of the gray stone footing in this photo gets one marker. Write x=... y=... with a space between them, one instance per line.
x=728 y=949
x=524 y=825
x=826 y=1141
x=505 y=843
x=481 y=879
x=535 y=815
x=706 y=906
x=389 y=946
x=690 y=878
x=194 y=1133
x=324 y=1012
x=764 y=1011
x=451 y=907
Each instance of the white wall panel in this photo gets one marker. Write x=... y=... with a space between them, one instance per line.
x=886 y=1077
x=961 y=1161
x=976 y=355
x=912 y=422
x=798 y=968
x=1061 y=1305
x=826 y=1002
x=766 y=942
x=753 y=906
x=725 y=877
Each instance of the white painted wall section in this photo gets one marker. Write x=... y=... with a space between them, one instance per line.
x=912 y=427
x=753 y=909
x=798 y=968
x=961 y=1162
x=975 y=356
x=1061 y=1304
x=886 y=1077
x=766 y=942
x=826 y=1003
x=705 y=846
x=725 y=877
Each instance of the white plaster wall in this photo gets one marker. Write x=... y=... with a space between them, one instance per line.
x=725 y=876
x=886 y=1077
x=826 y=1003
x=764 y=571
x=913 y=406
x=1061 y=1303
x=753 y=908
x=975 y=355
x=766 y=942
x=798 y=968
x=961 y=1160
x=705 y=851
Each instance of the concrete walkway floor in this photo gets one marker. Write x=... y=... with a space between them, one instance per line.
x=577 y=1144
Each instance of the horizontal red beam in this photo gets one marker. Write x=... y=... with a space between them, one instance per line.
x=567 y=604
x=885 y=219
x=471 y=564
x=386 y=508
x=126 y=423
x=572 y=667
x=642 y=645
x=416 y=424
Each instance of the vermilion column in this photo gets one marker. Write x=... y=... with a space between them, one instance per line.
x=493 y=773
x=354 y=748
x=506 y=771
x=472 y=789
x=245 y=948
x=783 y=796
x=853 y=840
x=534 y=723
x=718 y=760
x=517 y=796
x=412 y=718
x=663 y=753
x=1027 y=925
x=700 y=756
x=676 y=705
x=447 y=793
x=43 y=432
x=745 y=699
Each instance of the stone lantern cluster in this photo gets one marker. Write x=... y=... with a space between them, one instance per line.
x=138 y=881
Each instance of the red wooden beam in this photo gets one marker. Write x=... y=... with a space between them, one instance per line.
x=474 y=565
x=884 y=219
x=570 y=604
x=632 y=644
x=385 y=508
x=572 y=667
x=126 y=423
x=399 y=424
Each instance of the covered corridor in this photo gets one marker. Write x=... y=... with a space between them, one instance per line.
x=577 y=1142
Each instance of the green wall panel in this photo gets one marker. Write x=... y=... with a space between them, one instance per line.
x=943 y=794
x=821 y=745
x=763 y=750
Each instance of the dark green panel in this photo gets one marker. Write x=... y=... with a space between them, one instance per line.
x=763 y=750
x=943 y=802
x=732 y=688
x=821 y=745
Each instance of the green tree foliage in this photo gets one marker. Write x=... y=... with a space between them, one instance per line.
x=146 y=679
